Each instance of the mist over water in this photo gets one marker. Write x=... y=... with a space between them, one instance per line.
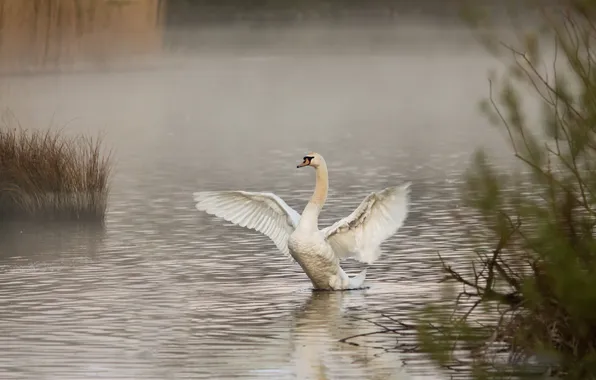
x=166 y=292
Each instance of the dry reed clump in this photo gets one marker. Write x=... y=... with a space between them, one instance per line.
x=46 y=175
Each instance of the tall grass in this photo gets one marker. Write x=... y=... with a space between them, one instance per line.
x=54 y=35
x=47 y=175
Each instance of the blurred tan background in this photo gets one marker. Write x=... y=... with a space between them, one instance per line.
x=48 y=35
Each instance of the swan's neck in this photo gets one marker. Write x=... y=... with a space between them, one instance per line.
x=317 y=201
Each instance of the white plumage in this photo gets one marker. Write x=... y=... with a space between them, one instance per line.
x=263 y=212
x=379 y=216
x=358 y=236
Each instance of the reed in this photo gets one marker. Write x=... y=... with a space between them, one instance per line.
x=55 y=35
x=47 y=175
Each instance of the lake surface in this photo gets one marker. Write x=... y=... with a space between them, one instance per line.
x=166 y=292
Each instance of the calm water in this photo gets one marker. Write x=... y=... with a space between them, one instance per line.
x=164 y=292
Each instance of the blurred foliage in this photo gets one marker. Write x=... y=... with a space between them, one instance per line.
x=537 y=281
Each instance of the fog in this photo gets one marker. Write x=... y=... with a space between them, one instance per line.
x=167 y=292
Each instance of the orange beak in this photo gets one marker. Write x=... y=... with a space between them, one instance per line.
x=303 y=164
x=307 y=161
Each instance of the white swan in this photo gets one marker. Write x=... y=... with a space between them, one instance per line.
x=318 y=252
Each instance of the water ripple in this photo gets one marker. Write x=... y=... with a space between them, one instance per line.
x=165 y=292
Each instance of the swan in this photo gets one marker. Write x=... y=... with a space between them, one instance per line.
x=318 y=252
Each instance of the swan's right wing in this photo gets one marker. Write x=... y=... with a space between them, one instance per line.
x=263 y=212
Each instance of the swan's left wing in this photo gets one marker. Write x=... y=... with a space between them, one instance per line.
x=379 y=216
x=263 y=212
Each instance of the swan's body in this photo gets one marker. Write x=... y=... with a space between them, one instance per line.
x=318 y=252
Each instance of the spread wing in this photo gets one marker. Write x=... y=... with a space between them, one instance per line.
x=379 y=216
x=263 y=212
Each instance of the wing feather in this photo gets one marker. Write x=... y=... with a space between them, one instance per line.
x=379 y=216
x=264 y=212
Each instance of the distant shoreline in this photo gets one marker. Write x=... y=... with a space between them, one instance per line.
x=182 y=13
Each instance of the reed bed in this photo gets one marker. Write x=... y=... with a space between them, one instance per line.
x=56 y=35
x=48 y=175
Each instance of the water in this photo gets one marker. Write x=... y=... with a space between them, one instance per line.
x=165 y=292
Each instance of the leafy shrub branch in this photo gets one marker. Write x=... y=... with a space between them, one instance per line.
x=537 y=284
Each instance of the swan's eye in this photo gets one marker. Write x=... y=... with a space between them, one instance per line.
x=308 y=159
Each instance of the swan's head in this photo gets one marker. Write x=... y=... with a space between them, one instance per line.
x=312 y=159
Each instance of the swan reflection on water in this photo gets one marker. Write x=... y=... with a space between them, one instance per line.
x=319 y=348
